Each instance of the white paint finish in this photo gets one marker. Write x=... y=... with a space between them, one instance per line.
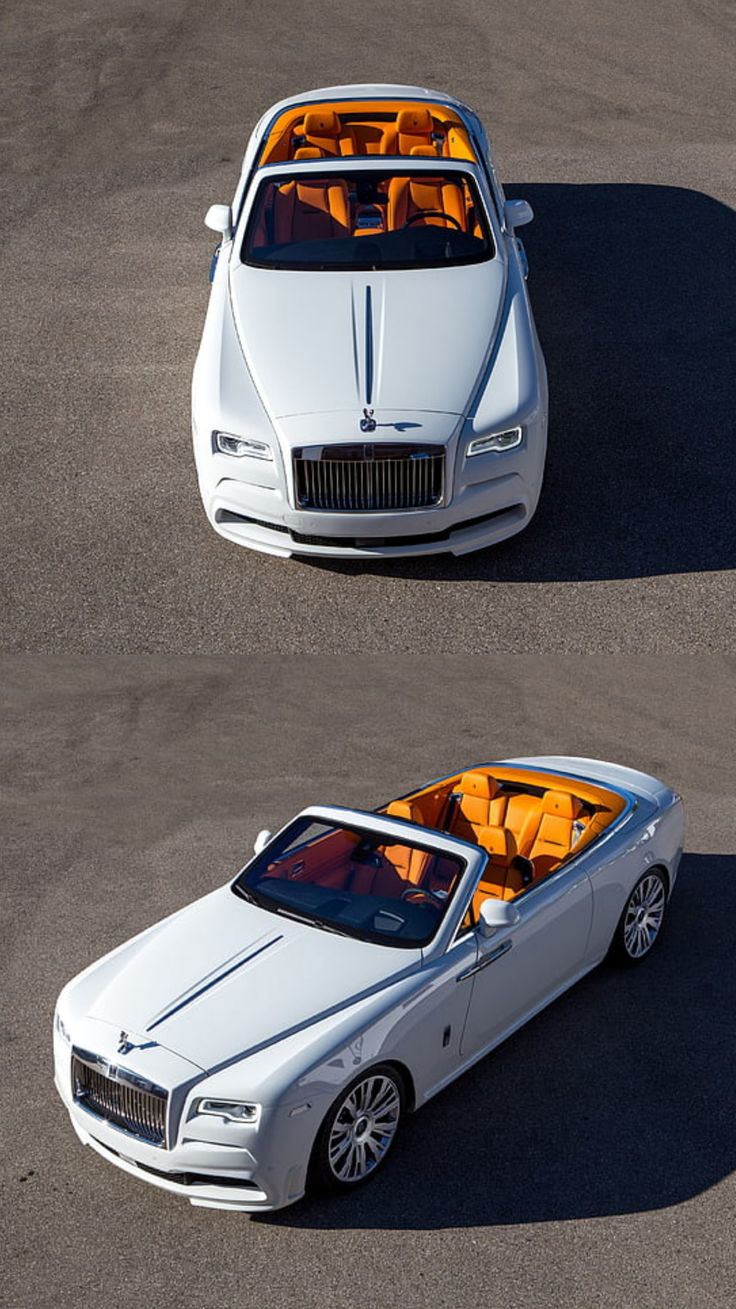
x=283 y=359
x=529 y=961
x=304 y=337
x=232 y=967
x=391 y=425
x=291 y=1026
x=598 y=770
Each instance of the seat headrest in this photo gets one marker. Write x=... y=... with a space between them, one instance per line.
x=423 y=150
x=414 y=121
x=308 y=152
x=498 y=841
x=322 y=122
x=479 y=784
x=561 y=804
x=404 y=809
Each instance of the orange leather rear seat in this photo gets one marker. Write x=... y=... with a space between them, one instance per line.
x=413 y=127
x=522 y=818
x=324 y=129
x=554 y=837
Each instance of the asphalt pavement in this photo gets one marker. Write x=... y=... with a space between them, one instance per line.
x=123 y=123
x=588 y=1162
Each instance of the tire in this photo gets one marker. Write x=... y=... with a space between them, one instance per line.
x=640 y=925
x=359 y=1130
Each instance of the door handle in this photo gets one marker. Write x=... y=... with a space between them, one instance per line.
x=501 y=949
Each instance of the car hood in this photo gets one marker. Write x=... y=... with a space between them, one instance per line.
x=224 y=978
x=405 y=340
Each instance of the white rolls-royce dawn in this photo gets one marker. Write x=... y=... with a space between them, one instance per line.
x=369 y=381
x=273 y=1034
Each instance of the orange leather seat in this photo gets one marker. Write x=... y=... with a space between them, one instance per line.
x=311 y=209
x=501 y=848
x=410 y=196
x=409 y=864
x=499 y=844
x=413 y=127
x=522 y=819
x=475 y=803
x=324 y=129
x=555 y=834
x=375 y=879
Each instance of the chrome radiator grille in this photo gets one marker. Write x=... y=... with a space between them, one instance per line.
x=120 y=1097
x=366 y=477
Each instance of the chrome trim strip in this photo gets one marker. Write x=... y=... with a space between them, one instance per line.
x=501 y=949
x=213 y=982
x=117 y=1074
x=368 y=345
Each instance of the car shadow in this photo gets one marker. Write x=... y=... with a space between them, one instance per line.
x=615 y=1100
x=633 y=290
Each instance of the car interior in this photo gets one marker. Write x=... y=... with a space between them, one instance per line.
x=370 y=127
x=314 y=208
x=529 y=823
x=365 y=204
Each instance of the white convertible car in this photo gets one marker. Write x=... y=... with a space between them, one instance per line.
x=369 y=381
x=276 y=1031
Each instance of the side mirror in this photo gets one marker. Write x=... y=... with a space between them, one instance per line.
x=261 y=840
x=517 y=213
x=219 y=218
x=495 y=914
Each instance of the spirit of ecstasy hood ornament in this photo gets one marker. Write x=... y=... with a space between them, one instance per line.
x=367 y=422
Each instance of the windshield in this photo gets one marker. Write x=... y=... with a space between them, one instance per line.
x=367 y=220
x=363 y=884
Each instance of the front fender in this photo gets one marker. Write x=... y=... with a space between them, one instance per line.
x=515 y=383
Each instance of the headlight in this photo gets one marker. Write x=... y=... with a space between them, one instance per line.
x=236 y=1111
x=481 y=445
x=241 y=445
x=63 y=1033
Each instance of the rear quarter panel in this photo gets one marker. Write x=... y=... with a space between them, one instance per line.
x=651 y=837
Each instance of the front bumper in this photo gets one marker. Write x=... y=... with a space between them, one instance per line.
x=479 y=514
x=207 y=1174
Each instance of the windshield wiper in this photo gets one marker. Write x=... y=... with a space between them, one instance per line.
x=247 y=895
x=311 y=922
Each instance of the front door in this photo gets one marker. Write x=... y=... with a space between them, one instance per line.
x=519 y=967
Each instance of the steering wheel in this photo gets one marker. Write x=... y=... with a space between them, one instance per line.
x=410 y=891
x=432 y=213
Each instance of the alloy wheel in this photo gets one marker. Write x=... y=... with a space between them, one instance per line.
x=643 y=916
x=363 y=1128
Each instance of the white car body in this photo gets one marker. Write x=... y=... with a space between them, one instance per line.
x=227 y=1000
x=440 y=355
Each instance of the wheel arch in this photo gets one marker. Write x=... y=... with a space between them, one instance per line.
x=407 y=1079
x=664 y=870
